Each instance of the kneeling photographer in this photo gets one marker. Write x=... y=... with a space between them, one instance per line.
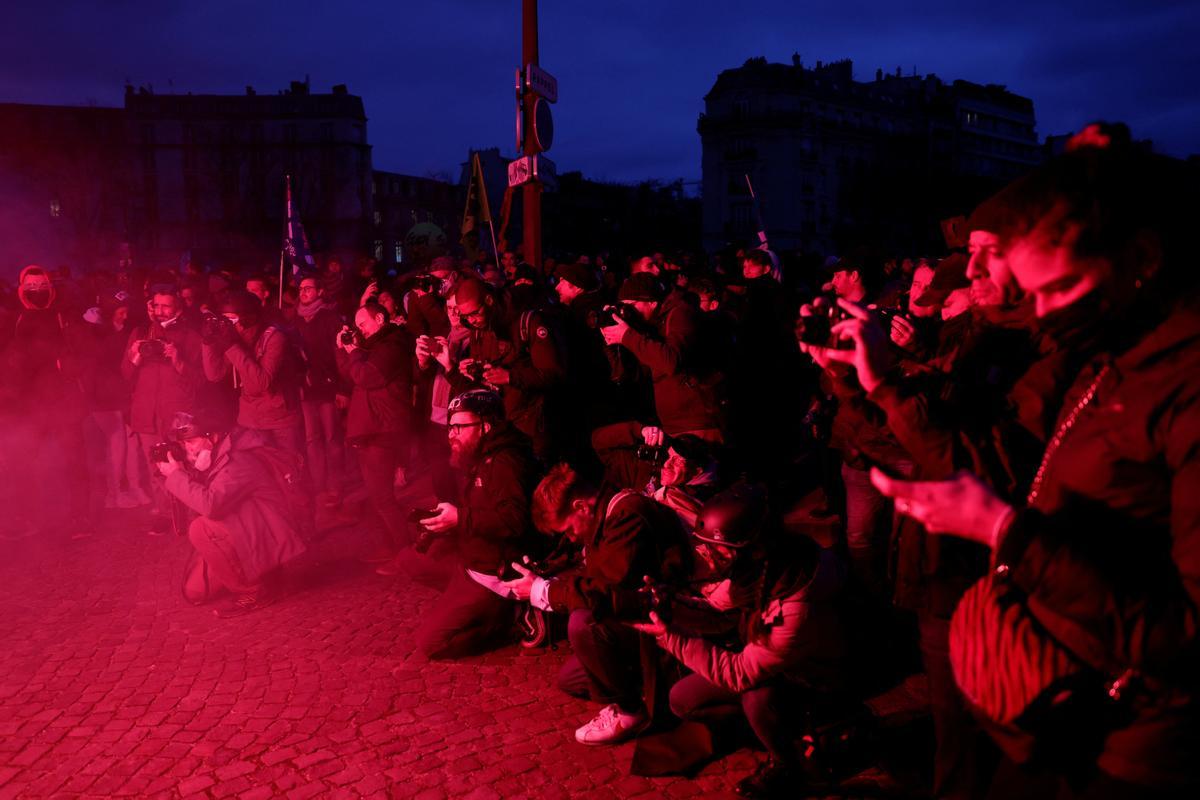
x=626 y=537
x=246 y=528
x=794 y=646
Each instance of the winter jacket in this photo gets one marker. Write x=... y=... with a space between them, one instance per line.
x=161 y=388
x=688 y=390
x=634 y=537
x=531 y=349
x=494 y=527
x=964 y=418
x=380 y=373
x=241 y=492
x=43 y=368
x=319 y=337
x=1109 y=554
x=268 y=366
x=796 y=633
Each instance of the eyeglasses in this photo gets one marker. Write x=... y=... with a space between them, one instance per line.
x=477 y=312
x=456 y=429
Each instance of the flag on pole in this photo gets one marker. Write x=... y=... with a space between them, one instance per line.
x=295 y=251
x=477 y=213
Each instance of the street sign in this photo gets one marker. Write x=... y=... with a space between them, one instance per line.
x=543 y=125
x=541 y=83
x=530 y=168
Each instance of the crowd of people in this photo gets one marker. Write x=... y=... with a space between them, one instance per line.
x=1004 y=443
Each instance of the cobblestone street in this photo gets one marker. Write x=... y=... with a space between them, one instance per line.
x=111 y=684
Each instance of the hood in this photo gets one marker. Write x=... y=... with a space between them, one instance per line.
x=21 y=289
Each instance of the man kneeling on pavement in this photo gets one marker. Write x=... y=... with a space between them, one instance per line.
x=246 y=528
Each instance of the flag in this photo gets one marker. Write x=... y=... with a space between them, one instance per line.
x=477 y=213
x=295 y=241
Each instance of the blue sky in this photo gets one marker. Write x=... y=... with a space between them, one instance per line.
x=436 y=76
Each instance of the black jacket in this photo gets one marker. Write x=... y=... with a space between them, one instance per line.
x=380 y=373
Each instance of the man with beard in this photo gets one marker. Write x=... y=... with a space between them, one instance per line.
x=245 y=529
x=487 y=522
x=522 y=357
x=377 y=363
x=43 y=393
x=163 y=360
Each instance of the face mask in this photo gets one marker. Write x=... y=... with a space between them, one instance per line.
x=203 y=460
x=38 y=298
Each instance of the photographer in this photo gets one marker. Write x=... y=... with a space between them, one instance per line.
x=377 y=363
x=245 y=529
x=521 y=357
x=486 y=522
x=626 y=537
x=164 y=362
x=794 y=642
x=680 y=472
x=687 y=387
x=266 y=365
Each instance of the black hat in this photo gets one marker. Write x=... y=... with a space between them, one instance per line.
x=641 y=287
x=732 y=518
x=577 y=275
x=242 y=303
x=483 y=403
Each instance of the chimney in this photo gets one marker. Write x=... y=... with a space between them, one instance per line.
x=796 y=60
x=250 y=91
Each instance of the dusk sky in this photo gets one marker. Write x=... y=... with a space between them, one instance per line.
x=436 y=76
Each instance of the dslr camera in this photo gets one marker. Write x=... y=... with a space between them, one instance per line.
x=654 y=455
x=216 y=329
x=348 y=337
x=160 y=451
x=818 y=328
x=475 y=371
x=607 y=317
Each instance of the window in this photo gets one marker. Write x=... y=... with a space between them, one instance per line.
x=378 y=218
x=399 y=253
x=55 y=208
x=378 y=249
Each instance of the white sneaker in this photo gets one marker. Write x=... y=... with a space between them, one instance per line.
x=607 y=727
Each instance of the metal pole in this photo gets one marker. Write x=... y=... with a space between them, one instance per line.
x=531 y=193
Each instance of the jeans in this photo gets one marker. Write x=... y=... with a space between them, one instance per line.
x=868 y=528
x=466 y=619
x=120 y=460
x=771 y=709
x=964 y=757
x=378 y=463
x=325 y=447
x=290 y=439
x=606 y=664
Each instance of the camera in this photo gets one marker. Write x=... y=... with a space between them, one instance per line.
x=426 y=283
x=150 y=348
x=818 y=328
x=607 y=317
x=425 y=538
x=160 y=451
x=635 y=605
x=475 y=371
x=348 y=337
x=216 y=329
x=653 y=455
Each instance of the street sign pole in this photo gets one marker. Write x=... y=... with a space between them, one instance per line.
x=531 y=192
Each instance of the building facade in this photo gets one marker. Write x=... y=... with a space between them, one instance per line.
x=836 y=162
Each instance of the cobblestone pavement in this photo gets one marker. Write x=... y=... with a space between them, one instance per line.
x=112 y=685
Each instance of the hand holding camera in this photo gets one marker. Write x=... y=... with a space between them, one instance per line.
x=348 y=338
x=473 y=369
x=218 y=332
x=870 y=354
